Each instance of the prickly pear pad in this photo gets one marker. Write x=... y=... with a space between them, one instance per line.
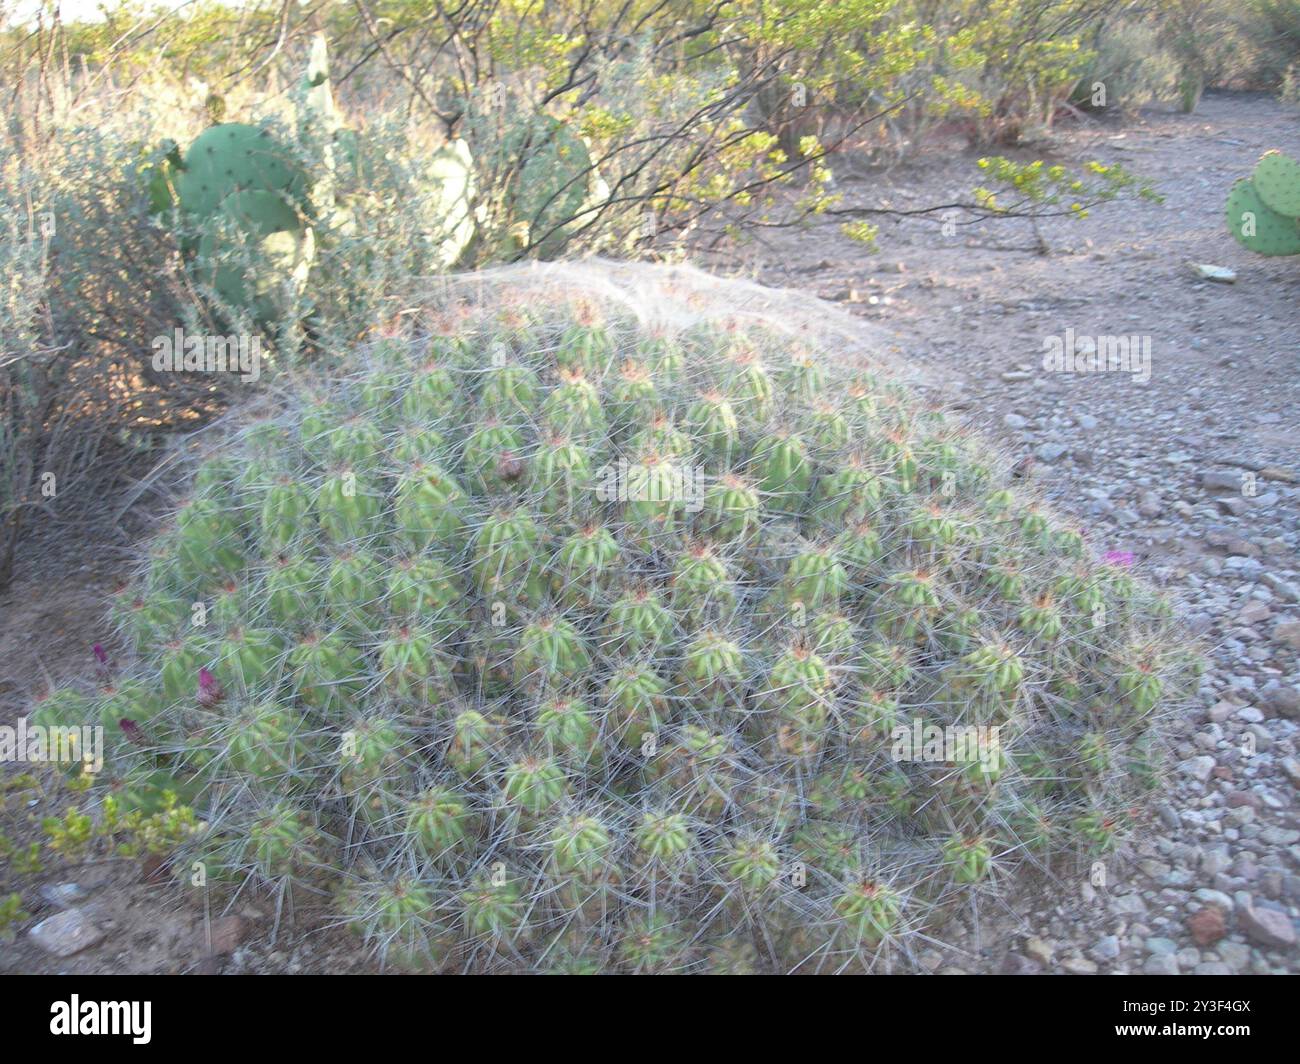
x=1258 y=228
x=1277 y=180
x=619 y=619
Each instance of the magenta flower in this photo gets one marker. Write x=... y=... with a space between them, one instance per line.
x=132 y=730
x=100 y=655
x=1123 y=558
x=209 y=689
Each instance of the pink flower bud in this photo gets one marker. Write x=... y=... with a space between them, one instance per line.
x=132 y=730
x=209 y=689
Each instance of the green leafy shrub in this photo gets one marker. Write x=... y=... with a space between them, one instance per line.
x=551 y=638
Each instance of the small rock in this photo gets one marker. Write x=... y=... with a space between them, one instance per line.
x=1254 y=612
x=1281 y=699
x=1282 y=588
x=1041 y=951
x=1018 y=964
x=62 y=895
x=1216 y=481
x=66 y=933
x=1106 y=949
x=1221 y=711
x=1149 y=504
x=1212 y=968
x=1161 y=964
x=1207 y=272
x=1236 y=955
x=1079 y=966
x=1199 y=768
x=1161 y=945
x=1207 y=926
x=1284 y=476
x=1288 y=632
x=227 y=933
x=1049 y=452
x=1128 y=904
x=1216 y=898
x=1267 y=926
x=1015 y=421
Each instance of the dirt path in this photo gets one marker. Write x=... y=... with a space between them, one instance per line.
x=1139 y=463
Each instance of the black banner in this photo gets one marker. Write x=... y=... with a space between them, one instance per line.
x=142 y=1013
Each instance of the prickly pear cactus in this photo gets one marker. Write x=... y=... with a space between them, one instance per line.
x=235 y=157
x=237 y=188
x=1263 y=211
x=539 y=177
x=285 y=244
x=551 y=641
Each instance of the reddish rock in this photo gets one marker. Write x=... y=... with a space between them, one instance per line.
x=227 y=933
x=1237 y=799
x=155 y=868
x=1207 y=926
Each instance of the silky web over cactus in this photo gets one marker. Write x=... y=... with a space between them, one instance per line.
x=566 y=634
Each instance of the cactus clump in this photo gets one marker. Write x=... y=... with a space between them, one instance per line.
x=1263 y=210
x=550 y=642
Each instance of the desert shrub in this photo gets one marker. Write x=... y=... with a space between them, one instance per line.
x=79 y=302
x=585 y=624
x=1202 y=36
x=29 y=373
x=1129 y=66
x=1273 y=27
x=91 y=282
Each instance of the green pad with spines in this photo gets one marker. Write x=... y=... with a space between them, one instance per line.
x=232 y=157
x=1275 y=234
x=556 y=180
x=1277 y=183
x=289 y=245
